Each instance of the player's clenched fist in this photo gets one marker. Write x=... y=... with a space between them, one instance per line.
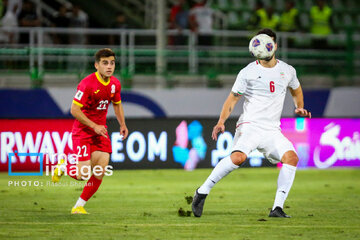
x=218 y=128
x=124 y=131
x=101 y=130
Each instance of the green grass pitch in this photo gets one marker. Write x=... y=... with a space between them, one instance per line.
x=143 y=204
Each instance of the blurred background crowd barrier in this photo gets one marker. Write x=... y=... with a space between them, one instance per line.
x=50 y=64
x=178 y=43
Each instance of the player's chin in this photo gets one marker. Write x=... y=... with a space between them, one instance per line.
x=109 y=73
x=268 y=58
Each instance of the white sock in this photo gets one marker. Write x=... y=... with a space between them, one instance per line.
x=62 y=167
x=223 y=168
x=80 y=203
x=285 y=181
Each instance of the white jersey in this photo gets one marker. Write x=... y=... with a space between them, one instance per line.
x=264 y=90
x=203 y=16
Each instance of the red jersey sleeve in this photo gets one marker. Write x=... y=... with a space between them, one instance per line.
x=82 y=94
x=117 y=96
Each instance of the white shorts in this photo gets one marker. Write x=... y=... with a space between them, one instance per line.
x=272 y=143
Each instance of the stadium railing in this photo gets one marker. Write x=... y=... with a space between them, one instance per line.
x=137 y=50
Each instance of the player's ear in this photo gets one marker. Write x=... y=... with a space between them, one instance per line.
x=275 y=46
x=96 y=65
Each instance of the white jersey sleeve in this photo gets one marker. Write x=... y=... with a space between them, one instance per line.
x=240 y=84
x=294 y=81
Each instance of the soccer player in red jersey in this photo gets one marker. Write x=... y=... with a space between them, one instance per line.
x=91 y=142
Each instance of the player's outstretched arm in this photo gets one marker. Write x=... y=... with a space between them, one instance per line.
x=227 y=108
x=80 y=116
x=298 y=98
x=119 y=112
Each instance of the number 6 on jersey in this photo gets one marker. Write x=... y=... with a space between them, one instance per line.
x=272 y=86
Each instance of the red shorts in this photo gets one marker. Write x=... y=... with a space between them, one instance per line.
x=83 y=147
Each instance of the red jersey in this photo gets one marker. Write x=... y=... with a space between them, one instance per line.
x=93 y=96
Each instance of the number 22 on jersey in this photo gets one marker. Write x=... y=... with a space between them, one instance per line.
x=82 y=149
x=102 y=104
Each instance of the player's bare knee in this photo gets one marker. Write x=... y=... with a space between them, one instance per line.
x=99 y=171
x=238 y=157
x=84 y=173
x=290 y=158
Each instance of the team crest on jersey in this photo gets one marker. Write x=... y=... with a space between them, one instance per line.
x=79 y=95
x=113 y=88
x=282 y=75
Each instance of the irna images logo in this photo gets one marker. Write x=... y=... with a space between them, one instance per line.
x=12 y=156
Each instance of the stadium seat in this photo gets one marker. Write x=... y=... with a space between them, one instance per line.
x=235 y=4
x=233 y=20
x=347 y=20
x=308 y=4
x=242 y=5
x=251 y=4
x=245 y=17
x=279 y=5
x=357 y=22
x=337 y=20
x=337 y=5
x=222 y=5
x=305 y=20
x=267 y=3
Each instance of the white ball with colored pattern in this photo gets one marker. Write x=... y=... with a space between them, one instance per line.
x=262 y=47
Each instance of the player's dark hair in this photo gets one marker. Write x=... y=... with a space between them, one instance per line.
x=268 y=32
x=103 y=53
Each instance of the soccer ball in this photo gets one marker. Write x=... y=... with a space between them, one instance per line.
x=262 y=46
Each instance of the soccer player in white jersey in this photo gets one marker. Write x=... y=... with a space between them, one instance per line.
x=263 y=84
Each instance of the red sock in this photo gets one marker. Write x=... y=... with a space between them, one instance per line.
x=71 y=170
x=90 y=188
